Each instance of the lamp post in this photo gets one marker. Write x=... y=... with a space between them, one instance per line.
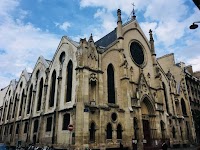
x=194 y=25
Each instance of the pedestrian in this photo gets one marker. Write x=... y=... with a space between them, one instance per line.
x=164 y=146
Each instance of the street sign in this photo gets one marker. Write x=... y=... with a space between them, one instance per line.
x=70 y=127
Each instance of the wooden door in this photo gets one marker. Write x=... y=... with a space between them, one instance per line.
x=147 y=133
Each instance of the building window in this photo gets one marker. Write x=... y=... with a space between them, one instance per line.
x=21 y=84
x=5 y=130
x=181 y=130
x=40 y=95
x=26 y=127
x=35 y=129
x=111 y=84
x=66 y=121
x=109 y=131
x=119 y=131
x=162 y=126
x=53 y=87
x=173 y=132
x=11 y=128
x=9 y=107
x=69 y=81
x=188 y=132
x=137 y=53
x=183 y=107
x=37 y=75
x=135 y=128
x=13 y=115
x=22 y=102
x=17 y=129
x=62 y=57
x=165 y=97
x=0 y=130
x=49 y=124
x=29 y=99
x=4 y=111
x=92 y=132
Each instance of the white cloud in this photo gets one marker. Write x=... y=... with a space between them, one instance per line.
x=64 y=26
x=107 y=19
x=22 y=43
x=146 y=26
x=164 y=11
x=7 y=6
x=195 y=63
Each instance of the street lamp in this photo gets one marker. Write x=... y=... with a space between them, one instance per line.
x=194 y=25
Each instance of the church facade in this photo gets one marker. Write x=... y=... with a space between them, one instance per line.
x=100 y=94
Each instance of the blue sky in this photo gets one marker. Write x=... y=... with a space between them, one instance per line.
x=30 y=28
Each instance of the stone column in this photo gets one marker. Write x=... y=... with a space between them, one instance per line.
x=56 y=117
x=140 y=130
x=31 y=115
x=41 y=129
x=79 y=110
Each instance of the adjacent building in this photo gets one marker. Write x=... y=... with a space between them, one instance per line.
x=108 y=92
x=193 y=87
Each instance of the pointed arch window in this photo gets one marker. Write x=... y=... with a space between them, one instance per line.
x=17 y=129
x=187 y=129
x=49 y=124
x=184 y=111
x=4 y=111
x=15 y=104
x=29 y=99
x=109 y=131
x=11 y=128
x=22 y=103
x=53 y=87
x=173 y=132
x=119 y=131
x=69 y=81
x=162 y=126
x=35 y=129
x=9 y=108
x=136 y=128
x=37 y=75
x=111 y=84
x=40 y=95
x=92 y=132
x=62 y=58
x=26 y=127
x=165 y=97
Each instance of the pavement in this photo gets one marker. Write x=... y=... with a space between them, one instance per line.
x=188 y=148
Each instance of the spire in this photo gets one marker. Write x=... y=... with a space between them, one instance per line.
x=119 y=25
x=151 y=42
x=91 y=41
x=151 y=35
x=119 y=16
x=133 y=12
x=91 y=38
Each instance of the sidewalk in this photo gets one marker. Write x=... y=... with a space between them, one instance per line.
x=188 y=148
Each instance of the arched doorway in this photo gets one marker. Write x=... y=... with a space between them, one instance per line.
x=147 y=111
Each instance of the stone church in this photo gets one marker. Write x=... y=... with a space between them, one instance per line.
x=100 y=94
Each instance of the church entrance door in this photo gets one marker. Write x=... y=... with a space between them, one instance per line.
x=147 y=134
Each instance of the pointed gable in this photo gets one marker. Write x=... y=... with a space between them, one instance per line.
x=143 y=87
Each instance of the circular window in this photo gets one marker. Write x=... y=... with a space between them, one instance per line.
x=114 y=116
x=137 y=53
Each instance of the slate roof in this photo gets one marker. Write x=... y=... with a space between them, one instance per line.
x=107 y=39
